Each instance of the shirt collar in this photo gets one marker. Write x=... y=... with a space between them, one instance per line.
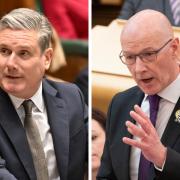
x=172 y=91
x=36 y=98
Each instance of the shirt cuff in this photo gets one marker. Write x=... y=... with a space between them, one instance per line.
x=161 y=169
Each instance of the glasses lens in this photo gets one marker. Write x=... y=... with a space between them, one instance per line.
x=148 y=56
x=129 y=59
x=123 y=59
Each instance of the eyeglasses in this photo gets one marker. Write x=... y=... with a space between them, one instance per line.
x=148 y=56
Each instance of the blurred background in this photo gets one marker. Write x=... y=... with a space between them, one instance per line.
x=104 y=11
x=109 y=75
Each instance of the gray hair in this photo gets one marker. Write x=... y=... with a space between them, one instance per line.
x=28 y=19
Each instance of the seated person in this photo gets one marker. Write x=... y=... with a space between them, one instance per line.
x=131 y=7
x=98 y=139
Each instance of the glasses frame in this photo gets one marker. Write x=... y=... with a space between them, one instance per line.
x=155 y=52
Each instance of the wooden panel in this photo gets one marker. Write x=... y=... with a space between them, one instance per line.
x=105 y=86
x=109 y=75
x=75 y=64
x=106 y=48
x=111 y=2
x=8 y=5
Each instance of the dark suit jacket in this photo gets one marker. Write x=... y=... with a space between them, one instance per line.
x=66 y=115
x=4 y=173
x=82 y=82
x=115 y=159
x=130 y=7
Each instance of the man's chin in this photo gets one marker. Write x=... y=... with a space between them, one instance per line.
x=149 y=90
x=13 y=90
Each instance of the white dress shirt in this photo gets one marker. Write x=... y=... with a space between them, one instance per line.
x=169 y=97
x=39 y=114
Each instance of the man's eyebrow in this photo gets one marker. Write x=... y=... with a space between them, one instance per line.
x=25 y=47
x=3 y=45
x=19 y=47
x=143 y=50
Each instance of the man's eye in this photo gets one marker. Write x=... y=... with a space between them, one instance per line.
x=130 y=57
x=148 y=54
x=94 y=137
x=24 y=54
x=5 y=51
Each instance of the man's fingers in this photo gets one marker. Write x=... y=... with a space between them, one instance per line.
x=140 y=112
x=135 y=130
x=132 y=142
x=144 y=123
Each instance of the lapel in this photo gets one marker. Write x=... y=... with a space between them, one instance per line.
x=10 y=122
x=172 y=130
x=170 y=135
x=58 y=120
x=123 y=149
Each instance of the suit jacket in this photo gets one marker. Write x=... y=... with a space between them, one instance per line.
x=66 y=116
x=130 y=7
x=82 y=82
x=4 y=173
x=116 y=156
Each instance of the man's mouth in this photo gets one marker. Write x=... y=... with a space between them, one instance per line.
x=12 y=77
x=146 y=81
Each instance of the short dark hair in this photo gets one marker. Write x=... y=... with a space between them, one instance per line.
x=100 y=117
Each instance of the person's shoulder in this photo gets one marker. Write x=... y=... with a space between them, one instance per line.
x=63 y=86
x=125 y=99
x=65 y=90
x=128 y=94
x=132 y=90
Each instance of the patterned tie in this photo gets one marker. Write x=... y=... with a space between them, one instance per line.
x=35 y=142
x=175 y=7
x=144 y=164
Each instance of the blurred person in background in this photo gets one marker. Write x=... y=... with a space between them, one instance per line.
x=98 y=139
x=69 y=18
x=170 y=8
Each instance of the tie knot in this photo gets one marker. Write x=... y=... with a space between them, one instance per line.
x=27 y=104
x=154 y=101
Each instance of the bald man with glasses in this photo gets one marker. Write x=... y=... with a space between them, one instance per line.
x=143 y=126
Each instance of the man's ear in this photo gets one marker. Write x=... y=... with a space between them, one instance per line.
x=175 y=45
x=48 y=54
x=177 y=52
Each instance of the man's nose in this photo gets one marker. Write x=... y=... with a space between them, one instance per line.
x=11 y=59
x=140 y=65
x=11 y=62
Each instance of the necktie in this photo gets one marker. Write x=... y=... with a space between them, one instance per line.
x=35 y=142
x=144 y=164
x=175 y=7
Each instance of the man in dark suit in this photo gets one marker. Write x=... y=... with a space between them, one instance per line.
x=58 y=111
x=131 y=7
x=149 y=50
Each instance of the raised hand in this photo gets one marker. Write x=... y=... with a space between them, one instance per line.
x=148 y=140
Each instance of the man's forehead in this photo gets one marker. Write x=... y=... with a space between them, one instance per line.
x=147 y=22
x=142 y=28
x=18 y=39
x=136 y=37
x=18 y=34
